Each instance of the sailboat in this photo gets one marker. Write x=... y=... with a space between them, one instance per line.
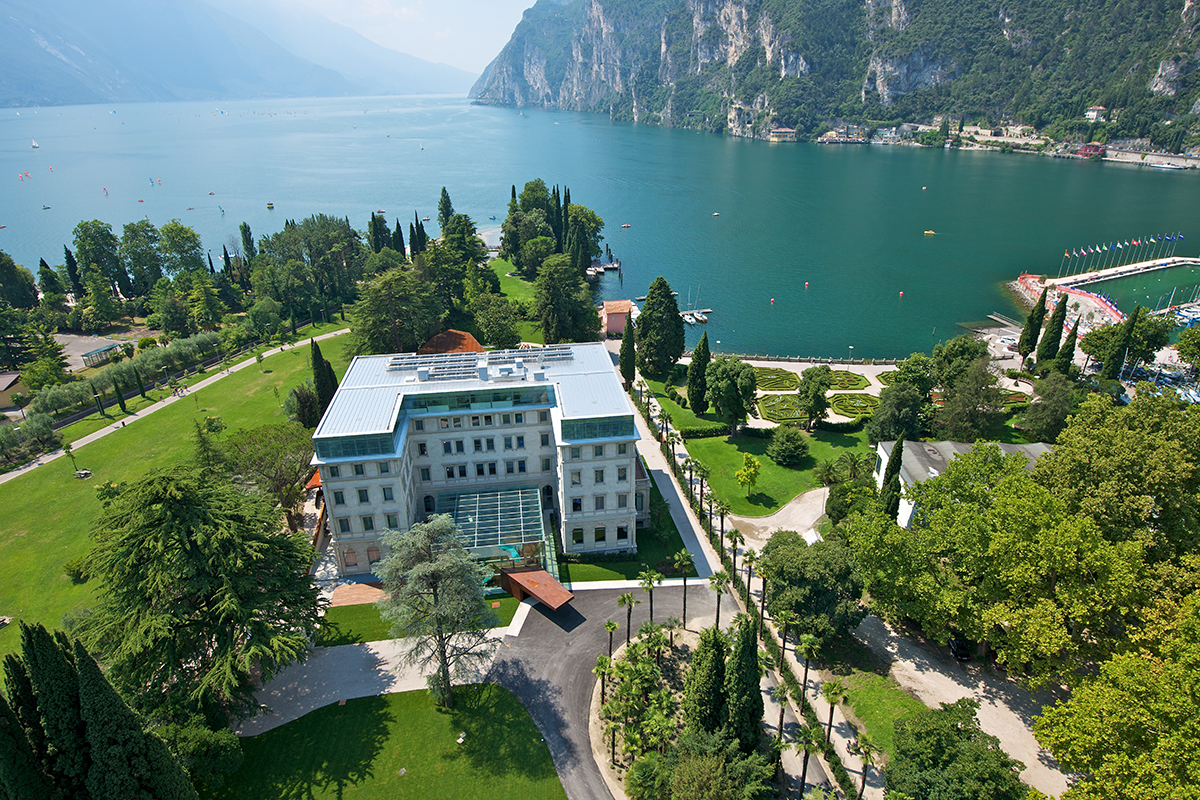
x=35 y=144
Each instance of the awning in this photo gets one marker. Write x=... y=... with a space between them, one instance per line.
x=538 y=584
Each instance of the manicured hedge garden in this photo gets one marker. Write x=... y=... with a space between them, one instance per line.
x=781 y=408
x=854 y=405
x=774 y=379
x=849 y=381
x=886 y=378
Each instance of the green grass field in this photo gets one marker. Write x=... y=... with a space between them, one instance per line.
x=776 y=485
x=398 y=746
x=48 y=511
x=362 y=623
x=512 y=288
x=681 y=417
x=877 y=700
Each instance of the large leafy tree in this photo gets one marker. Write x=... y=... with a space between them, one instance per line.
x=819 y=584
x=96 y=250
x=697 y=384
x=731 y=388
x=943 y=753
x=1188 y=346
x=954 y=359
x=140 y=255
x=273 y=460
x=397 y=313
x=1150 y=334
x=973 y=404
x=898 y=415
x=201 y=595
x=1054 y=397
x=17 y=287
x=496 y=320
x=660 y=330
x=435 y=601
x=461 y=237
x=563 y=304
x=814 y=383
x=181 y=248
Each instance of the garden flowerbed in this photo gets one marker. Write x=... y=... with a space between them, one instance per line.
x=774 y=379
x=849 y=381
x=853 y=405
x=886 y=378
x=781 y=408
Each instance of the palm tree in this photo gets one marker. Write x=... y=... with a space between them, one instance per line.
x=749 y=559
x=664 y=421
x=689 y=464
x=764 y=575
x=627 y=602
x=611 y=627
x=702 y=473
x=717 y=582
x=647 y=579
x=855 y=464
x=834 y=692
x=784 y=618
x=735 y=539
x=722 y=508
x=866 y=750
x=683 y=562
x=672 y=439
x=672 y=624
x=826 y=471
x=603 y=663
x=807 y=647
x=808 y=739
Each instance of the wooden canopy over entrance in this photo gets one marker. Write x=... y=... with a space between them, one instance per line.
x=537 y=584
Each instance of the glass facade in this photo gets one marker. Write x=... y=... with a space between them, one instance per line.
x=353 y=447
x=599 y=428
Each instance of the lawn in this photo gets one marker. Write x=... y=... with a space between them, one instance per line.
x=680 y=417
x=776 y=485
x=512 y=288
x=362 y=623
x=876 y=699
x=397 y=746
x=656 y=544
x=48 y=511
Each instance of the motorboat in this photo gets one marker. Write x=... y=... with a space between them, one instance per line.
x=270 y=205
x=701 y=318
x=689 y=319
x=930 y=233
x=626 y=225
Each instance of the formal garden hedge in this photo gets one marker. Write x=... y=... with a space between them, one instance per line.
x=886 y=378
x=854 y=405
x=849 y=381
x=774 y=379
x=781 y=408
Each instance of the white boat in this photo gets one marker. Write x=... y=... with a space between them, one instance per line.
x=700 y=317
x=35 y=144
x=689 y=319
x=1155 y=164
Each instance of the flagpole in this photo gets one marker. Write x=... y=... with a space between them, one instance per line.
x=1060 y=264
x=1112 y=253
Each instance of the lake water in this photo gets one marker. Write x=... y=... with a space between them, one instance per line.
x=833 y=235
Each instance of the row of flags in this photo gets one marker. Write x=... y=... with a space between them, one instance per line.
x=1104 y=248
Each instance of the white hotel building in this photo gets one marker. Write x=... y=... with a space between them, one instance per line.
x=519 y=446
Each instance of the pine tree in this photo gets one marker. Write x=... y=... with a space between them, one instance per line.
x=891 y=480
x=127 y=761
x=377 y=232
x=249 y=251
x=226 y=262
x=704 y=687
x=398 y=240
x=1115 y=360
x=48 y=280
x=1033 y=328
x=73 y=273
x=445 y=209
x=56 y=686
x=324 y=381
x=660 y=330
x=1066 y=352
x=697 y=385
x=626 y=359
x=23 y=701
x=21 y=776
x=742 y=693
x=1048 y=346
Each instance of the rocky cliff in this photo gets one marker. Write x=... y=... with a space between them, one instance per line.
x=745 y=66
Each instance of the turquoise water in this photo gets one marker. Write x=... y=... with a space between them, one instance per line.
x=849 y=221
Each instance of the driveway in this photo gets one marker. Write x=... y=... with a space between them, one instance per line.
x=799 y=515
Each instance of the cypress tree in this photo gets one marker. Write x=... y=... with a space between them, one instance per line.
x=704 y=687
x=73 y=273
x=21 y=776
x=697 y=384
x=742 y=693
x=660 y=330
x=412 y=239
x=891 y=480
x=376 y=230
x=626 y=359
x=248 y=249
x=556 y=218
x=321 y=382
x=56 y=685
x=1066 y=351
x=1033 y=327
x=445 y=209
x=424 y=236
x=138 y=377
x=120 y=396
x=48 y=280
x=127 y=761
x=23 y=702
x=212 y=270
x=331 y=380
x=513 y=200
x=1048 y=346
x=398 y=240
x=1114 y=360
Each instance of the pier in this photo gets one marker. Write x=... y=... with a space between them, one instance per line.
x=1122 y=271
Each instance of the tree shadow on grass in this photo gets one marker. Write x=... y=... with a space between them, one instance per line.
x=328 y=750
x=763 y=500
x=501 y=739
x=543 y=702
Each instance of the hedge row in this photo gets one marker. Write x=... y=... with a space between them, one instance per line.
x=853 y=426
x=854 y=405
x=849 y=381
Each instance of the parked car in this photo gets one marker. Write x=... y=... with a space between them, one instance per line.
x=960 y=649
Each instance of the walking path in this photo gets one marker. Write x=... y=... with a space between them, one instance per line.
x=46 y=458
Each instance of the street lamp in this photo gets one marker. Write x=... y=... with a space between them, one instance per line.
x=851 y=352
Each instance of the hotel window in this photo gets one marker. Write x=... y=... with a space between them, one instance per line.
x=577 y=504
x=422 y=450
x=393 y=521
x=508 y=443
x=339 y=498
x=478 y=445
x=350 y=557
x=491 y=468
x=444 y=423
x=505 y=419
x=638 y=502
x=509 y=467
x=425 y=476
x=576 y=478
x=622 y=473
x=491 y=445
x=334 y=472
x=368 y=523
x=360 y=469
x=600 y=535
x=521 y=466
x=418 y=424
x=384 y=468
x=543 y=416
x=462 y=470
x=449 y=473
x=487 y=419
x=372 y=554
x=428 y=504
x=458 y=422
x=598 y=501
x=598 y=451
x=576 y=453
x=545 y=465
x=599 y=476
x=520 y=442
x=364 y=496
x=387 y=494
x=577 y=536
x=622 y=533
x=447 y=447
x=622 y=501
x=474 y=422
x=519 y=419
x=622 y=449
x=479 y=470
x=460 y=446
x=545 y=440
x=344 y=525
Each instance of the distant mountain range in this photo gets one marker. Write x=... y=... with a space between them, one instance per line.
x=745 y=66
x=59 y=52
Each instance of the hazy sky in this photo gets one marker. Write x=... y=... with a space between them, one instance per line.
x=463 y=33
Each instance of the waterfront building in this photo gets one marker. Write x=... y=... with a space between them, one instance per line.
x=614 y=316
x=783 y=135
x=528 y=450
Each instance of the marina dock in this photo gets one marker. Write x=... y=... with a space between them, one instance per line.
x=1123 y=271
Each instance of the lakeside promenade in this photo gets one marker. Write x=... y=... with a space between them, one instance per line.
x=1122 y=271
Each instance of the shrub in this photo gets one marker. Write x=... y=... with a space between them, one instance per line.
x=854 y=405
x=788 y=446
x=849 y=381
x=853 y=426
x=704 y=431
x=147 y=343
x=775 y=379
x=77 y=569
